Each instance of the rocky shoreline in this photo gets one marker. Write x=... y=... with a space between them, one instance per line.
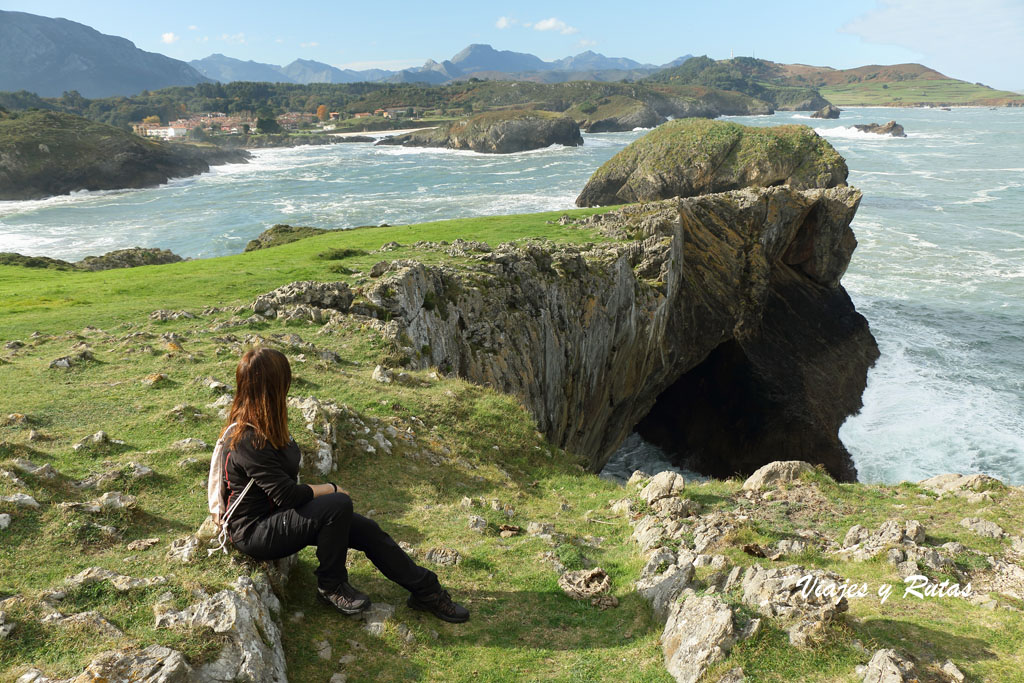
x=44 y=153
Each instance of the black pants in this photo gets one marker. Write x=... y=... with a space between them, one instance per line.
x=329 y=523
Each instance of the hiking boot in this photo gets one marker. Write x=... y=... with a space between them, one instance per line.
x=440 y=605
x=344 y=598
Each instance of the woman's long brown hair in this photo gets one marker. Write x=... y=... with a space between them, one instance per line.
x=262 y=379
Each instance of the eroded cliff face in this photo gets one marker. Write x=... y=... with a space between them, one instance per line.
x=722 y=314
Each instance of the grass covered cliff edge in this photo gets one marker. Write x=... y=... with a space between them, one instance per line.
x=143 y=346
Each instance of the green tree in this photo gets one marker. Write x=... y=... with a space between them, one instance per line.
x=268 y=125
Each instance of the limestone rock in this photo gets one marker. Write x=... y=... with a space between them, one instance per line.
x=447 y=557
x=585 y=584
x=143 y=543
x=983 y=527
x=960 y=484
x=698 y=634
x=649 y=534
x=663 y=485
x=97 y=441
x=5 y=626
x=663 y=589
x=477 y=524
x=861 y=543
x=775 y=472
x=779 y=593
x=891 y=128
x=829 y=111
x=5 y=521
x=128 y=258
x=497 y=132
x=312 y=299
x=75 y=359
x=190 y=444
x=91 y=619
x=377 y=616
x=691 y=157
x=183 y=549
x=154 y=664
x=733 y=676
x=889 y=666
x=244 y=614
x=21 y=500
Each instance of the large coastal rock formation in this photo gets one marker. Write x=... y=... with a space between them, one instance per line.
x=498 y=132
x=45 y=153
x=615 y=113
x=829 y=111
x=718 y=321
x=699 y=156
x=120 y=258
x=891 y=128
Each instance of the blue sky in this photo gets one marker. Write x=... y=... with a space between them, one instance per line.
x=978 y=41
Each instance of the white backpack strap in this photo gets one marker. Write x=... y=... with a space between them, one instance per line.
x=222 y=536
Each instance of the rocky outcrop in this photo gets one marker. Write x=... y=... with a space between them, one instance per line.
x=716 y=322
x=616 y=113
x=499 y=132
x=128 y=258
x=274 y=140
x=120 y=258
x=829 y=111
x=694 y=157
x=45 y=153
x=699 y=633
x=280 y=234
x=892 y=128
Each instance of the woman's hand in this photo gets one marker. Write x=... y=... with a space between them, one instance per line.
x=325 y=489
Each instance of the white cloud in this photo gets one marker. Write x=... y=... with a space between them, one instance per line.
x=982 y=37
x=278 y=40
x=193 y=27
x=587 y=43
x=505 y=22
x=170 y=37
x=555 y=24
x=237 y=38
x=312 y=44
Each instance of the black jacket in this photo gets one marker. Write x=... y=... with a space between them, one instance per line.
x=275 y=474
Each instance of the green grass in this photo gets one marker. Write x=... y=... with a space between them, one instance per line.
x=915 y=92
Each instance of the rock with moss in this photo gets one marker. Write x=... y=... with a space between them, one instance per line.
x=615 y=113
x=46 y=153
x=700 y=156
x=282 y=234
x=891 y=128
x=829 y=111
x=594 y=338
x=128 y=258
x=497 y=132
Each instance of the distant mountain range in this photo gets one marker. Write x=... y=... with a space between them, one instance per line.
x=49 y=56
x=480 y=61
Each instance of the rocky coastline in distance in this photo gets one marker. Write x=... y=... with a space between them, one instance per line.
x=49 y=153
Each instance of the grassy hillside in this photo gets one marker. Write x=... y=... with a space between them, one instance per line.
x=873 y=85
x=464 y=441
x=935 y=92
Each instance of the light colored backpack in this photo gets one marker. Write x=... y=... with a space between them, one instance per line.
x=215 y=497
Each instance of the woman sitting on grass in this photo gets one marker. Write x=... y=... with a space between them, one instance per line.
x=279 y=517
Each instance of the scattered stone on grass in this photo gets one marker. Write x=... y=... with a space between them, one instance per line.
x=446 y=557
x=889 y=666
x=698 y=634
x=143 y=544
x=477 y=524
x=776 y=472
x=21 y=500
x=190 y=444
x=983 y=527
x=91 y=619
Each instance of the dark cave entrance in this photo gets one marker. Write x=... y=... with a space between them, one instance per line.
x=723 y=418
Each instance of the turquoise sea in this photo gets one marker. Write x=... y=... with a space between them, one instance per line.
x=939 y=270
